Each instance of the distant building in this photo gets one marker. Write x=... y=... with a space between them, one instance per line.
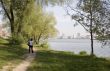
x=69 y=37
x=87 y=36
x=73 y=37
x=78 y=35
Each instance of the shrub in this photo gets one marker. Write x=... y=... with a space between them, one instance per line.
x=16 y=39
x=83 y=53
x=44 y=45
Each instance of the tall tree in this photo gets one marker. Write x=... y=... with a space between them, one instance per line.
x=86 y=14
x=14 y=11
x=40 y=25
x=14 y=8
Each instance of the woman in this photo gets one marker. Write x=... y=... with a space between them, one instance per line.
x=30 y=44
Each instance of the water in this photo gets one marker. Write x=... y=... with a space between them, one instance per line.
x=77 y=45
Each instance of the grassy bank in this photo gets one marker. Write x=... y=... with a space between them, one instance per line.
x=10 y=54
x=63 y=61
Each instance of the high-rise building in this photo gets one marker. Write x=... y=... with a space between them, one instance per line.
x=78 y=35
x=73 y=36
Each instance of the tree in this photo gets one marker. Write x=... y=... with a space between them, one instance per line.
x=39 y=25
x=15 y=8
x=103 y=31
x=13 y=11
x=86 y=15
x=16 y=11
x=46 y=28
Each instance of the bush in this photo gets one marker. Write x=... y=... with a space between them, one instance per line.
x=83 y=53
x=44 y=45
x=18 y=39
x=3 y=41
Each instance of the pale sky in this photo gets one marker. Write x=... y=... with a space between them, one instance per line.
x=64 y=22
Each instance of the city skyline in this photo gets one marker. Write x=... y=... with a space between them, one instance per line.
x=78 y=35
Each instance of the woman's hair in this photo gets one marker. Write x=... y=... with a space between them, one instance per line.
x=31 y=39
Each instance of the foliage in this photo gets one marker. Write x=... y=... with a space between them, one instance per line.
x=27 y=19
x=44 y=45
x=103 y=31
x=87 y=14
x=52 y=2
x=87 y=11
x=14 y=11
x=39 y=25
x=16 y=40
x=83 y=53
x=3 y=41
x=101 y=20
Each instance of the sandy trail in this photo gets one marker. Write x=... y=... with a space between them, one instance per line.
x=24 y=65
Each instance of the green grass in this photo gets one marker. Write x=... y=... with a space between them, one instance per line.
x=10 y=53
x=47 y=60
x=3 y=41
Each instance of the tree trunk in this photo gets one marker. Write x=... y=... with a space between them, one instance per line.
x=39 y=37
x=12 y=18
x=91 y=31
x=92 y=50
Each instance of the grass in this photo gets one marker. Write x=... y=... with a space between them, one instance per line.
x=3 y=41
x=10 y=53
x=48 y=60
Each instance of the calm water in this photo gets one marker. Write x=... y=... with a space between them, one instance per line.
x=77 y=45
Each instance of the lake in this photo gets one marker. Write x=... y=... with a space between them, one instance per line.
x=77 y=45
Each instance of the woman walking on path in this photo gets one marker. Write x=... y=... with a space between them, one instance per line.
x=30 y=44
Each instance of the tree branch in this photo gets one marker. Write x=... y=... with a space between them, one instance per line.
x=77 y=11
x=83 y=26
x=6 y=12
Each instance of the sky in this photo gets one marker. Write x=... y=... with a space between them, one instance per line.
x=64 y=23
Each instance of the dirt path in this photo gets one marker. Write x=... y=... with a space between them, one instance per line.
x=24 y=65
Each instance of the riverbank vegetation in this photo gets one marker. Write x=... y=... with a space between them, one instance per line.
x=49 y=60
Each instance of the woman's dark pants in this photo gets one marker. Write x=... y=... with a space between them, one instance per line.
x=31 y=49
